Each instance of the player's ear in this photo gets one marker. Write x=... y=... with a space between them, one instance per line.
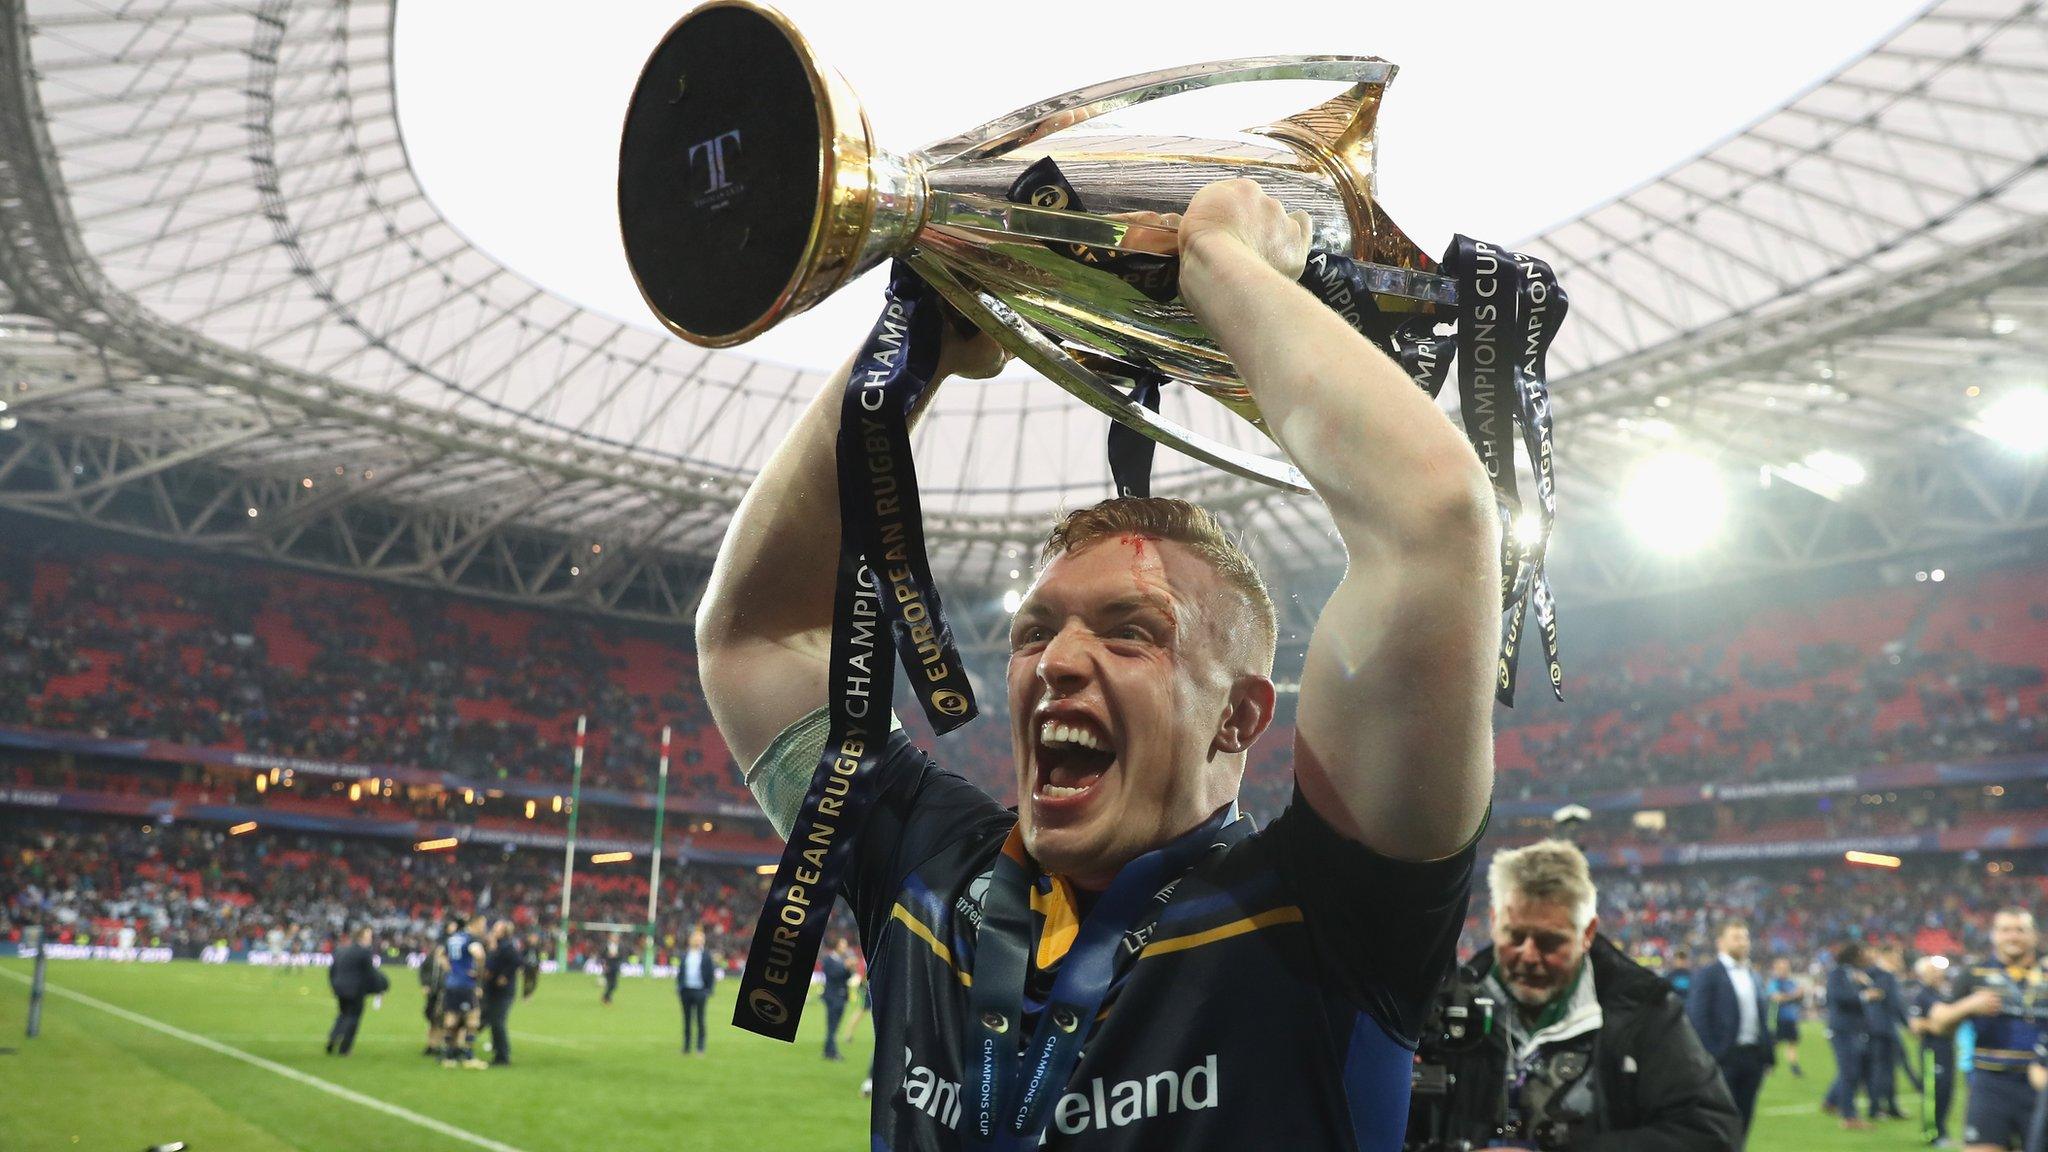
x=1247 y=714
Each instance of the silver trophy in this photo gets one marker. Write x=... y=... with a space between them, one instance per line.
x=751 y=187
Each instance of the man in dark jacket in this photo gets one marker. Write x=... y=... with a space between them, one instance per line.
x=696 y=976
x=531 y=947
x=1850 y=991
x=611 y=960
x=1600 y=1057
x=837 y=967
x=1885 y=1014
x=502 y=964
x=354 y=978
x=1937 y=1059
x=1728 y=1008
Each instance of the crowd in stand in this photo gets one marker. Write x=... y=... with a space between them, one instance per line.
x=1614 y=735
x=177 y=651
x=187 y=888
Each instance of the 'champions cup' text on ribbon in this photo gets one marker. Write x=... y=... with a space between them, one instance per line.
x=1509 y=310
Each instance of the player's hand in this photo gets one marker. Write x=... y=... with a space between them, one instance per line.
x=965 y=350
x=1982 y=1002
x=1160 y=237
x=1239 y=212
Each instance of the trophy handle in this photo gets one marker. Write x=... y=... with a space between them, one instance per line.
x=1037 y=121
x=1028 y=344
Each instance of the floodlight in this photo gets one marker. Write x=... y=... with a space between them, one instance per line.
x=1843 y=470
x=1675 y=502
x=1012 y=600
x=2018 y=420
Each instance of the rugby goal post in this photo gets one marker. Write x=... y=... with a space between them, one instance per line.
x=646 y=930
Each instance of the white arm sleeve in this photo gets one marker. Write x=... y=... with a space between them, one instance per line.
x=782 y=775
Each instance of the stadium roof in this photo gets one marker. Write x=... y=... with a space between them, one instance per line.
x=231 y=316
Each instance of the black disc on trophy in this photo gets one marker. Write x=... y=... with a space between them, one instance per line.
x=718 y=172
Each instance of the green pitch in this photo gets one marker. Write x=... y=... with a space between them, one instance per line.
x=584 y=1076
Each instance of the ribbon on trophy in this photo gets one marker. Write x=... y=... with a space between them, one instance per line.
x=883 y=576
x=1130 y=451
x=1509 y=310
x=1543 y=306
x=1158 y=277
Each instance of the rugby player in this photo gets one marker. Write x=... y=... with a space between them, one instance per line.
x=1275 y=1000
x=433 y=982
x=461 y=1011
x=2006 y=1000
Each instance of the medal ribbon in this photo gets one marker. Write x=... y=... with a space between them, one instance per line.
x=1008 y=1094
x=883 y=576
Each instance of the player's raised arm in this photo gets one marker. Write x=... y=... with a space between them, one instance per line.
x=1394 y=735
x=764 y=626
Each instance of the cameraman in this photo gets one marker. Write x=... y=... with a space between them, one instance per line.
x=1599 y=1053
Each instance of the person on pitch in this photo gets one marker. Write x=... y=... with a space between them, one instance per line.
x=433 y=975
x=502 y=967
x=354 y=978
x=1788 y=997
x=837 y=968
x=696 y=975
x=1937 y=1060
x=461 y=1012
x=2005 y=996
x=611 y=960
x=1850 y=992
x=1269 y=993
x=1730 y=1012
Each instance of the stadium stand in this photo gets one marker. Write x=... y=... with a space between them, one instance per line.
x=266 y=659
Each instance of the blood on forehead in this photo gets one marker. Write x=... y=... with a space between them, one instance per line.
x=1139 y=558
x=1148 y=560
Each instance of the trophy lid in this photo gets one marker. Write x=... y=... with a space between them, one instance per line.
x=736 y=167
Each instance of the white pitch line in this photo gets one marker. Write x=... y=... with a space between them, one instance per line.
x=1789 y=1109
x=329 y=1087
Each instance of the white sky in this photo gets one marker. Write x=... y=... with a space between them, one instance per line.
x=1508 y=116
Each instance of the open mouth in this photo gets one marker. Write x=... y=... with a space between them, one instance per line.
x=1071 y=758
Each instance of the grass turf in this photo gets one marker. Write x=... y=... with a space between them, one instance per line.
x=584 y=1075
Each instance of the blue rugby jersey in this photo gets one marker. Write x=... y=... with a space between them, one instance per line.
x=2005 y=1042
x=1787 y=1011
x=461 y=966
x=1274 y=1002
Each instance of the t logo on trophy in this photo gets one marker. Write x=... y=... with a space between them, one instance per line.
x=713 y=153
x=1045 y=238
